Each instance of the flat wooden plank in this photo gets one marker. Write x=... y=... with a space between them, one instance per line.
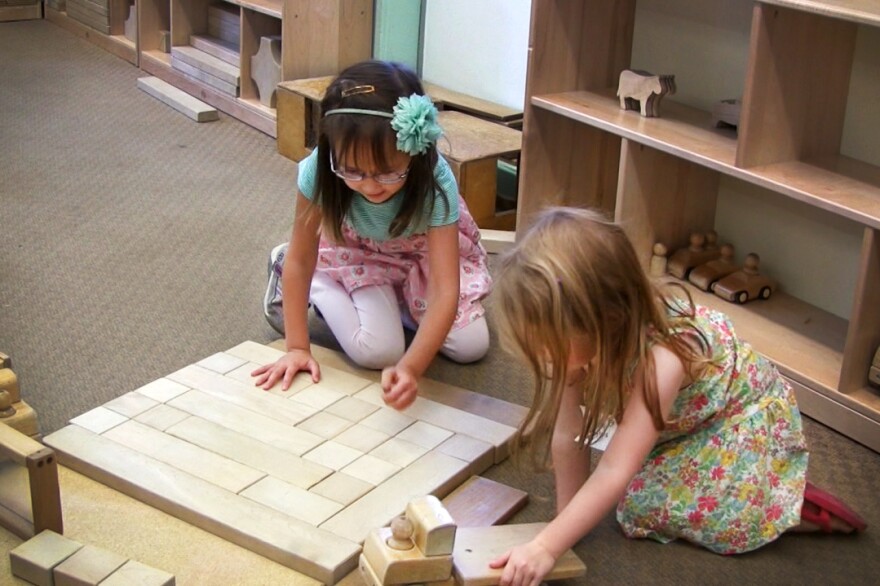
x=434 y=473
x=482 y=502
x=475 y=547
x=185 y=456
x=291 y=500
x=219 y=48
x=279 y=537
x=178 y=99
x=252 y=453
x=208 y=63
x=261 y=428
x=134 y=572
x=242 y=395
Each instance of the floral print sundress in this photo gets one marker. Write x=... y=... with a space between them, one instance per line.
x=728 y=473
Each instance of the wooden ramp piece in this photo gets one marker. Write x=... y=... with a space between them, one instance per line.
x=481 y=502
x=475 y=547
x=178 y=99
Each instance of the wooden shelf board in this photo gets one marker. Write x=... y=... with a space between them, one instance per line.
x=160 y=58
x=841 y=185
x=257 y=106
x=805 y=342
x=268 y=7
x=861 y=11
x=682 y=131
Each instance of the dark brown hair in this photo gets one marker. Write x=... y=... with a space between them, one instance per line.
x=372 y=135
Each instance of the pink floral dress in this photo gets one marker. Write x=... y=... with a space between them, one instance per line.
x=729 y=472
x=403 y=263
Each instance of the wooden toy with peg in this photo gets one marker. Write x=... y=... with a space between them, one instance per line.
x=695 y=254
x=745 y=284
x=706 y=274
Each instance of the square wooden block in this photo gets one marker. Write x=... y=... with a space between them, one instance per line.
x=35 y=559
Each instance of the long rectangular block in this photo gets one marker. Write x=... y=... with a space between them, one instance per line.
x=178 y=99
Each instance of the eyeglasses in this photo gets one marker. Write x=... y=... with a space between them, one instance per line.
x=383 y=178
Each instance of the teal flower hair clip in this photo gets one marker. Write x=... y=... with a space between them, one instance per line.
x=415 y=120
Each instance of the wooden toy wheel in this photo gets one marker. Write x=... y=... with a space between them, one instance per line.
x=742 y=297
x=765 y=292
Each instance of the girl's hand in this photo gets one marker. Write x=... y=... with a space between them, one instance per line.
x=524 y=565
x=401 y=387
x=285 y=368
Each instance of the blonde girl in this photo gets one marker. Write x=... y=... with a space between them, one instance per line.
x=381 y=240
x=708 y=445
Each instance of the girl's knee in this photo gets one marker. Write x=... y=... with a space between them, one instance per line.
x=469 y=343
x=370 y=352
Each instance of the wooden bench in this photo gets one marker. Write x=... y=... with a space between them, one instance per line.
x=471 y=145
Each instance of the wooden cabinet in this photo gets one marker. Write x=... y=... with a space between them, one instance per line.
x=317 y=38
x=86 y=17
x=660 y=177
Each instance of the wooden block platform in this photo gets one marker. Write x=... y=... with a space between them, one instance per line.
x=290 y=476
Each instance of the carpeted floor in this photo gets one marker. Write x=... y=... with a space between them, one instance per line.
x=133 y=241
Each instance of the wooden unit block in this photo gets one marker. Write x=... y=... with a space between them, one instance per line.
x=183 y=455
x=223 y=50
x=475 y=547
x=481 y=502
x=325 y=424
x=134 y=573
x=463 y=447
x=99 y=419
x=291 y=500
x=88 y=566
x=319 y=397
x=434 y=473
x=424 y=434
x=253 y=352
x=208 y=63
x=221 y=362
x=27 y=12
x=371 y=469
x=387 y=421
x=399 y=452
x=434 y=528
x=497 y=241
x=24 y=420
x=178 y=99
x=342 y=488
x=162 y=390
x=395 y=566
x=35 y=559
x=162 y=417
x=361 y=437
x=351 y=409
x=286 y=540
x=261 y=428
x=333 y=455
x=131 y=404
x=205 y=77
x=253 y=453
x=235 y=393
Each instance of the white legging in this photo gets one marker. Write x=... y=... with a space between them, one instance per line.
x=368 y=324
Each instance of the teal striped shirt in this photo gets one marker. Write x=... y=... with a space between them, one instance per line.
x=372 y=220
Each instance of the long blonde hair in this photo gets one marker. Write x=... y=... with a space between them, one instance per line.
x=576 y=273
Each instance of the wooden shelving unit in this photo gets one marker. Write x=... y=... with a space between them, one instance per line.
x=317 y=38
x=660 y=176
x=116 y=42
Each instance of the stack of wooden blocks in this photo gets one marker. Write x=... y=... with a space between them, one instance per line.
x=92 y=13
x=213 y=59
x=20 y=10
x=50 y=558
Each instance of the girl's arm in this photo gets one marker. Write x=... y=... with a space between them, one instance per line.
x=571 y=464
x=629 y=447
x=296 y=279
x=400 y=381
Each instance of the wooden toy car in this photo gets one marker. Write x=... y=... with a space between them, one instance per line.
x=708 y=273
x=745 y=284
x=684 y=259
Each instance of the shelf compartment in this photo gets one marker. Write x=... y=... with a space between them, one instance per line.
x=253 y=26
x=860 y=11
x=838 y=184
x=117 y=45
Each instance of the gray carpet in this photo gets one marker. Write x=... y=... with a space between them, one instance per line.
x=133 y=241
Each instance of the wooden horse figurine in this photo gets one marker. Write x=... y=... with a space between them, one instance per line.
x=644 y=89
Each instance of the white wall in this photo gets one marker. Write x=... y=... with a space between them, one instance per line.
x=478 y=48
